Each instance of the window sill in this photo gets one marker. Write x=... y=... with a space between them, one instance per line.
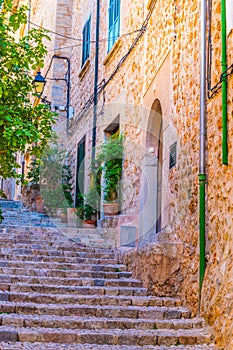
x=117 y=45
x=84 y=68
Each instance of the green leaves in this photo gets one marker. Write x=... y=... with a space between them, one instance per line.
x=21 y=125
x=109 y=161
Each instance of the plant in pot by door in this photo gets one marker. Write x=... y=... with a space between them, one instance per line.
x=31 y=188
x=67 y=190
x=87 y=211
x=110 y=156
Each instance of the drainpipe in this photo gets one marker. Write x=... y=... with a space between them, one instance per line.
x=96 y=79
x=224 y=83
x=202 y=174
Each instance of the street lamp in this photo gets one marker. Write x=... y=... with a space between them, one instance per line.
x=39 y=82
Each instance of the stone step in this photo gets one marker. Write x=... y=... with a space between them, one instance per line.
x=83 y=290
x=82 y=238
x=63 y=288
x=67 y=249
x=55 y=252
x=12 y=214
x=41 y=298
x=61 y=259
x=10 y=204
x=58 y=243
x=45 y=231
x=74 y=322
x=129 y=282
x=85 y=310
x=49 y=232
x=65 y=266
x=56 y=346
x=31 y=238
x=90 y=240
x=104 y=336
x=37 y=232
x=63 y=273
x=27 y=221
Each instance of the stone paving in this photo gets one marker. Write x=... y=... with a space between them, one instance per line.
x=59 y=294
x=59 y=346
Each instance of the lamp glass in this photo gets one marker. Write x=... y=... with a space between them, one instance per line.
x=39 y=87
x=39 y=83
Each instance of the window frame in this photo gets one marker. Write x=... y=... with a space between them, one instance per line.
x=86 y=36
x=114 y=15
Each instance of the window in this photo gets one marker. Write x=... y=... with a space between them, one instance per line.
x=86 y=41
x=173 y=154
x=113 y=22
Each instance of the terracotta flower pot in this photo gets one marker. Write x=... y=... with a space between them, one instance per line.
x=89 y=223
x=111 y=209
x=63 y=217
x=72 y=217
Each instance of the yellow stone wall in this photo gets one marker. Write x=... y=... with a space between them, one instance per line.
x=164 y=66
x=56 y=16
x=218 y=291
x=172 y=41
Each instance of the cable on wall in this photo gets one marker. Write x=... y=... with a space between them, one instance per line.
x=102 y=85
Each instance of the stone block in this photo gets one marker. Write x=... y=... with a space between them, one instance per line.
x=8 y=336
x=4 y=297
x=128 y=236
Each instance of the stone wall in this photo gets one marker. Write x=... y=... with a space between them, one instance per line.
x=162 y=68
x=164 y=65
x=217 y=288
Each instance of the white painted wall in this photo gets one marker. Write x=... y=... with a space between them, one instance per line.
x=229 y=11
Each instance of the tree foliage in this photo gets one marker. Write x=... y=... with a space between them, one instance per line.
x=52 y=173
x=22 y=125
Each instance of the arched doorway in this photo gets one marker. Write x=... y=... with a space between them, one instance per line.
x=154 y=169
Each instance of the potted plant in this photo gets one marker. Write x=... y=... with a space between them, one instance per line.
x=87 y=211
x=31 y=189
x=67 y=190
x=109 y=160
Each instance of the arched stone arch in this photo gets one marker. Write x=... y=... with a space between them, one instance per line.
x=151 y=182
x=155 y=140
x=154 y=125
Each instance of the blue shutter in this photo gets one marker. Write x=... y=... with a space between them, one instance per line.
x=83 y=48
x=86 y=41
x=88 y=37
x=117 y=22
x=110 y=23
x=113 y=22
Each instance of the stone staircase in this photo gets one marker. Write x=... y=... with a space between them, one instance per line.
x=15 y=214
x=59 y=294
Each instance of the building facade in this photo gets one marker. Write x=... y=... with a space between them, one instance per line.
x=146 y=85
x=149 y=87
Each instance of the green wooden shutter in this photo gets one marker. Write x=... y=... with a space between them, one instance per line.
x=86 y=41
